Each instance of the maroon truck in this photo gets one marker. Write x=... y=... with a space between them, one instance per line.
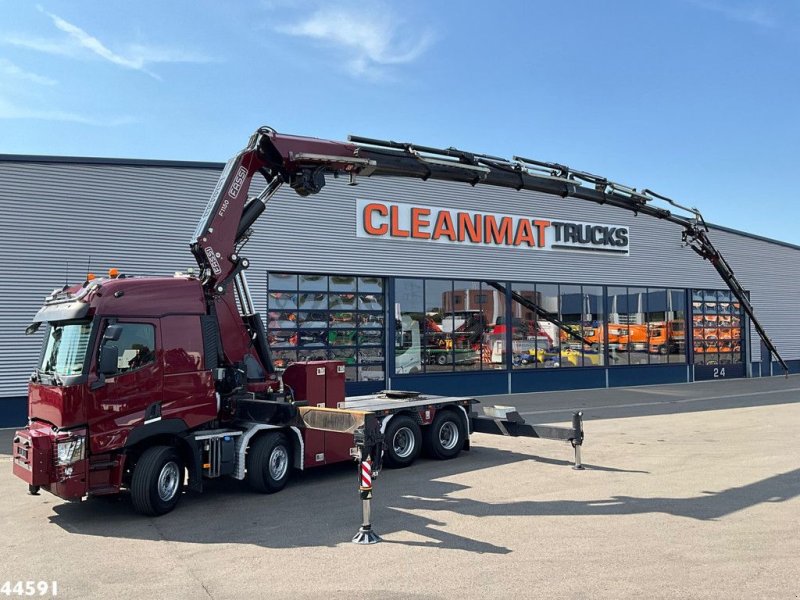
x=145 y=380
x=130 y=394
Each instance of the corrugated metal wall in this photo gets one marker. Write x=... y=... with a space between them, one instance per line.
x=140 y=218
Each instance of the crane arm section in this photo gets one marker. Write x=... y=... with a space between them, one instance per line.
x=302 y=162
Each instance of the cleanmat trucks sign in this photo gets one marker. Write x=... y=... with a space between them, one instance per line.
x=413 y=222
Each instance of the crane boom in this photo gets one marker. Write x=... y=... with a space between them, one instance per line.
x=302 y=162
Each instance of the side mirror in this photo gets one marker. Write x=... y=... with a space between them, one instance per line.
x=109 y=356
x=112 y=333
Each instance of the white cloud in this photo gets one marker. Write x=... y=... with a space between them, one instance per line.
x=46 y=46
x=12 y=70
x=79 y=43
x=9 y=111
x=752 y=14
x=370 y=40
x=162 y=54
x=91 y=43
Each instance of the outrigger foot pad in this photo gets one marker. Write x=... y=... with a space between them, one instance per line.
x=365 y=535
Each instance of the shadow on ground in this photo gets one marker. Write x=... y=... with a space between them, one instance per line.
x=322 y=508
x=653 y=400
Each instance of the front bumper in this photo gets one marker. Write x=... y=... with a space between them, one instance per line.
x=35 y=462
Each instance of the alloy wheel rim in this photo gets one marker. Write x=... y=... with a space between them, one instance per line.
x=278 y=463
x=168 y=481
x=448 y=435
x=403 y=442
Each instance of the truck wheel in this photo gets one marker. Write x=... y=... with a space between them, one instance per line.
x=157 y=481
x=441 y=359
x=445 y=437
x=662 y=349
x=403 y=441
x=269 y=463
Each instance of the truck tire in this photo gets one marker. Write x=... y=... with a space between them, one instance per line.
x=403 y=441
x=441 y=359
x=269 y=463
x=157 y=481
x=444 y=438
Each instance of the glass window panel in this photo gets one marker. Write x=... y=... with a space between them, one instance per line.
x=342 y=337
x=370 y=373
x=467 y=305
x=493 y=307
x=370 y=356
x=367 y=337
x=370 y=284
x=617 y=325
x=313 y=338
x=136 y=347
x=346 y=355
x=571 y=301
x=593 y=321
x=342 y=301
x=314 y=300
x=370 y=301
x=657 y=329
x=342 y=283
x=547 y=335
x=676 y=326
x=699 y=351
x=438 y=326
x=281 y=281
x=307 y=355
x=312 y=319
x=329 y=321
x=314 y=283
x=531 y=336
x=636 y=338
x=370 y=320
x=282 y=320
x=409 y=316
x=282 y=338
x=342 y=319
x=282 y=300
x=716 y=328
x=66 y=346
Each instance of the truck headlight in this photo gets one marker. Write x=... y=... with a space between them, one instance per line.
x=71 y=450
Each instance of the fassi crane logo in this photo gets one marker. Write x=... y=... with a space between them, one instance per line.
x=394 y=220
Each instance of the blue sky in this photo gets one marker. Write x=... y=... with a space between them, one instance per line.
x=695 y=99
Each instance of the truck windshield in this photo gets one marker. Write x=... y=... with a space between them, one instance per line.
x=65 y=348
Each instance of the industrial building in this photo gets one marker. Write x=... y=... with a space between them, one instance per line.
x=389 y=276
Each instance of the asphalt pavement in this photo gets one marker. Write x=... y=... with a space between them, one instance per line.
x=689 y=491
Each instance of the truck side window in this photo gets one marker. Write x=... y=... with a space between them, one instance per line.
x=136 y=346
